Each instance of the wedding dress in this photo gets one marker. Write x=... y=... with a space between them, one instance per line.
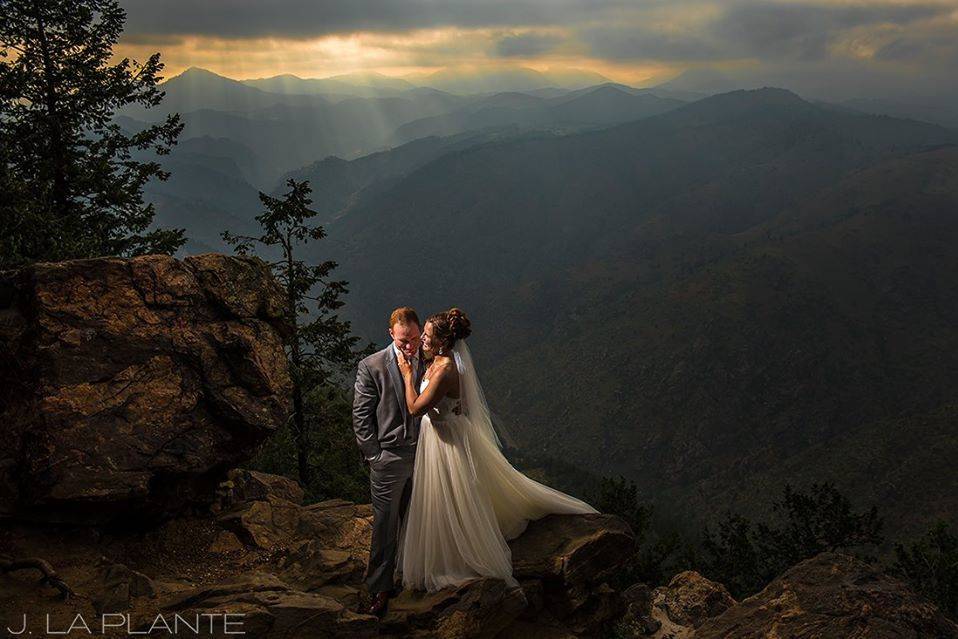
x=467 y=499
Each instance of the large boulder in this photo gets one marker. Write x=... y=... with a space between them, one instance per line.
x=690 y=599
x=672 y=611
x=832 y=595
x=242 y=486
x=274 y=523
x=128 y=387
x=567 y=560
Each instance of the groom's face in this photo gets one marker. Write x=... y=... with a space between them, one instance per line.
x=406 y=337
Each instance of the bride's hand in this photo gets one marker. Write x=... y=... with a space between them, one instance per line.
x=404 y=366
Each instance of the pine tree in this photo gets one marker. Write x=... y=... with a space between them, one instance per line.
x=75 y=188
x=320 y=347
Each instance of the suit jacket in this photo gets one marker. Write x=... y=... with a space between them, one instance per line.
x=380 y=418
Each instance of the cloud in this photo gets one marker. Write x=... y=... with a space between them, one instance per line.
x=643 y=43
x=526 y=44
x=621 y=39
x=902 y=49
x=935 y=45
x=806 y=31
x=153 y=39
x=298 y=19
x=766 y=31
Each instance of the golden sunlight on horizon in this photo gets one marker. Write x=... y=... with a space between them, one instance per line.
x=826 y=47
x=405 y=56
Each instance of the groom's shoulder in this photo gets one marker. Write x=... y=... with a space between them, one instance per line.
x=375 y=359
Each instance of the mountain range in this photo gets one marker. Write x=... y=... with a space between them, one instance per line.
x=711 y=293
x=746 y=290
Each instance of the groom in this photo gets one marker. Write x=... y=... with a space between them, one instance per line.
x=387 y=437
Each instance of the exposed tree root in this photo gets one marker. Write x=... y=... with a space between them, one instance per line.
x=50 y=575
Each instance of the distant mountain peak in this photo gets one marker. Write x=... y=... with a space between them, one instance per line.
x=773 y=94
x=747 y=99
x=201 y=76
x=199 y=71
x=608 y=88
x=704 y=79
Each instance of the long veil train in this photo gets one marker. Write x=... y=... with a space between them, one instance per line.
x=516 y=498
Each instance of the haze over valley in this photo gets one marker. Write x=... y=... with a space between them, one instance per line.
x=703 y=291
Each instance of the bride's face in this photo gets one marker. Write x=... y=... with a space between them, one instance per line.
x=430 y=347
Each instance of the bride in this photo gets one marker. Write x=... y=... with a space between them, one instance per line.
x=467 y=499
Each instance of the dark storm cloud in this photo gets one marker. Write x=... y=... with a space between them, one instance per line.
x=804 y=31
x=939 y=45
x=901 y=49
x=769 y=32
x=313 y=18
x=639 y=43
x=666 y=33
x=526 y=45
x=152 y=39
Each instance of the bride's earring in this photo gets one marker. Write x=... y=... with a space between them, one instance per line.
x=440 y=350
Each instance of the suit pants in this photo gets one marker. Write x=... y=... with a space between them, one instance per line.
x=390 y=483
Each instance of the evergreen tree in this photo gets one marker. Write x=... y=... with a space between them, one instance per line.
x=76 y=190
x=745 y=557
x=931 y=565
x=320 y=347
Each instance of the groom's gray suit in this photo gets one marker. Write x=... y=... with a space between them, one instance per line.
x=387 y=436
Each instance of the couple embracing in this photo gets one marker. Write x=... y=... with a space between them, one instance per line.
x=445 y=499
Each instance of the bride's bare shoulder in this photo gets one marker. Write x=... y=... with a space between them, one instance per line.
x=446 y=368
x=449 y=374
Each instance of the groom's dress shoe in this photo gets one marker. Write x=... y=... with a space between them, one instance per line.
x=379 y=604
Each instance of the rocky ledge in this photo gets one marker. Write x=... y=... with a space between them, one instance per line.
x=279 y=568
x=292 y=570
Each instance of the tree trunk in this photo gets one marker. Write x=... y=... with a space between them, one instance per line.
x=299 y=414
x=302 y=436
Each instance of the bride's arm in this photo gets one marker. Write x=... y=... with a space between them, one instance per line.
x=439 y=384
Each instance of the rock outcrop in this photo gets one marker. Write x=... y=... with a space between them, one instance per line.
x=129 y=386
x=306 y=581
x=675 y=610
x=832 y=595
x=566 y=562
x=689 y=600
x=562 y=563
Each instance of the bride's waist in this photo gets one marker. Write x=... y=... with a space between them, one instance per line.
x=442 y=417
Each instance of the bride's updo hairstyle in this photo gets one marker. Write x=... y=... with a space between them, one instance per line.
x=450 y=326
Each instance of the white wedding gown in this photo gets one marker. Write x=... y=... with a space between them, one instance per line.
x=467 y=499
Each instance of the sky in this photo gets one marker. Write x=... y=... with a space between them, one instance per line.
x=864 y=44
